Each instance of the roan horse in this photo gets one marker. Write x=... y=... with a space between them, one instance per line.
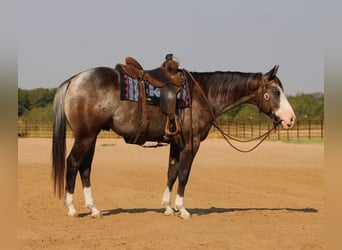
x=90 y=102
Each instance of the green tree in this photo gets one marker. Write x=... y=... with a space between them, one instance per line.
x=308 y=106
x=43 y=114
x=231 y=114
x=40 y=97
x=250 y=113
x=23 y=101
x=29 y=100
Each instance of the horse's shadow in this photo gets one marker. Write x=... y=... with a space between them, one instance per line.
x=201 y=211
x=218 y=210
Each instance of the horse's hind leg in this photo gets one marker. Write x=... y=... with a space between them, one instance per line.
x=85 y=170
x=80 y=151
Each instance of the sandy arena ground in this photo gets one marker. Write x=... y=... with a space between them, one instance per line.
x=272 y=198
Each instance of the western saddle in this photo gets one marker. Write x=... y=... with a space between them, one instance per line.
x=169 y=79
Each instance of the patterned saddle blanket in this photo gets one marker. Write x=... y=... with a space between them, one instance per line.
x=130 y=92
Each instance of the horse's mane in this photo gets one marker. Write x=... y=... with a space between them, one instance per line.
x=225 y=84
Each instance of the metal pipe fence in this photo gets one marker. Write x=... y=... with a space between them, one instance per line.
x=302 y=130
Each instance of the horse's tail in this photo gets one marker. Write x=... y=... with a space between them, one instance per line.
x=58 y=139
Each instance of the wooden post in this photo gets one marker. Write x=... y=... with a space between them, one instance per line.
x=26 y=132
x=309 y=129
x=236 y=128
x=297 y=130
x=278 y=131
x=228 y=126
x=321 y=129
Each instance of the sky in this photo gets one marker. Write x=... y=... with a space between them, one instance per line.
x=57 y=39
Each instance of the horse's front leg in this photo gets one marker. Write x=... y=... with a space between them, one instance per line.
x=186 y=159
x=183 y=176
x=171 y=178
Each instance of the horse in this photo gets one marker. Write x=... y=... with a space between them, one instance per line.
x=90 y=102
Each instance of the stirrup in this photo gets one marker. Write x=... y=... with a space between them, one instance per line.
x=168 y=133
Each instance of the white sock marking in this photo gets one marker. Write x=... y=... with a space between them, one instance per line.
x=89 y=201
x=69 y=203
x=179 y=204
x=166 y=201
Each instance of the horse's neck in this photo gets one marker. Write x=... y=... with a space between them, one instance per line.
x=227 y=90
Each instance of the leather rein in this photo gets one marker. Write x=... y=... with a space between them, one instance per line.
x=225 y=135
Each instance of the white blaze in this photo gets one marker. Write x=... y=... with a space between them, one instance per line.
x=285 y=112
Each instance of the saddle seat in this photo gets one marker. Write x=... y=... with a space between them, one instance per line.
x=167 y=73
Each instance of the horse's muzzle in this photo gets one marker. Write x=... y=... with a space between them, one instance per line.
x=285 y=123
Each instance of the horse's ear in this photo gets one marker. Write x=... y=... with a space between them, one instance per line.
x=272 y=73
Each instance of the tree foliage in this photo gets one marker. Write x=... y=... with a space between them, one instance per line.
x=246 y=113
x=23 y=101
x=308 y=107
x=36 y=104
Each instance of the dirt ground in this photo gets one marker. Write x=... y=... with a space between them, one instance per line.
x=271 y=198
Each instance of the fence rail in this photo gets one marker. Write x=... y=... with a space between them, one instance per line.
x=302 y=130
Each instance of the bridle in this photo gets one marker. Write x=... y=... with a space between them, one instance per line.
x=261 y=96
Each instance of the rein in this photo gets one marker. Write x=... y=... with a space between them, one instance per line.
x=225 y=135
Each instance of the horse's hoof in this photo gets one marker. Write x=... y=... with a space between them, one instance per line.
x=96 y=215
x=169 y=212
x=73 y=214
x=185 y=216
x=183 y=213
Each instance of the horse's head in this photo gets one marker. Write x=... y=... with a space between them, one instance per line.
x=272 y=100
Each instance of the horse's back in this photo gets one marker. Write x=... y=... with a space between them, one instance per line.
x=100 y=78
x=90 y=99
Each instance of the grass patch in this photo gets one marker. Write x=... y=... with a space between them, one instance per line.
x=305 y=141
x=107 y=144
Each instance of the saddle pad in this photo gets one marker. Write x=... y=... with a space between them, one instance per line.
x=130 y=91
